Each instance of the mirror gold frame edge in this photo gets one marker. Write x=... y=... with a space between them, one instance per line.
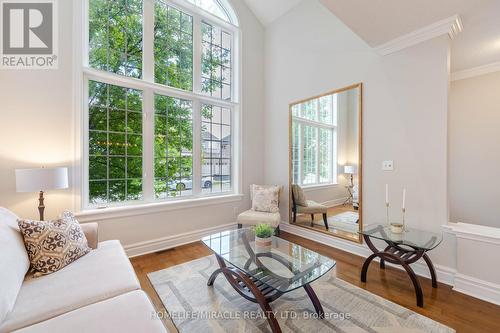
x=360 y=157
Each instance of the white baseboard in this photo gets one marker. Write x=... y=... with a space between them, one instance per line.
x=335 y=202
x=477 y=288
x=444 y=274
x=165 y=243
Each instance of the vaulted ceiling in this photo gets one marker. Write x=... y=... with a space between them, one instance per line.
x=479 y=42
x=268 y=11
x=380 y=21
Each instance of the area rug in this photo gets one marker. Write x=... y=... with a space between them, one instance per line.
x=196 y=308
x=345 y=221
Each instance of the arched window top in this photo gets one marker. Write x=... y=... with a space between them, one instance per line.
x=219 y=8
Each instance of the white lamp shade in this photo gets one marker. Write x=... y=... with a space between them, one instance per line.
x=350 y=169
x=42 y=179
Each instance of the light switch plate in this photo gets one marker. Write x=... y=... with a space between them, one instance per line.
x=388 y=165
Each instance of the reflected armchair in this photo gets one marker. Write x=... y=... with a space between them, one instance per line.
x=302 y=206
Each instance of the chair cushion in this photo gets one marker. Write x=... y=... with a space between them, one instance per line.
x=131 y=312
x=252 y=217
x=14 y=261
x=312 y=208
x=103 y=273
x=265 y=199
x=52 y=245
x=299 y=196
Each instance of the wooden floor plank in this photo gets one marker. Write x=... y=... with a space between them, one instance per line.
x=463 y=313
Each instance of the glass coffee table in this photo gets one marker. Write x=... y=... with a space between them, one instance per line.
x=402 y=249
x=262 y=275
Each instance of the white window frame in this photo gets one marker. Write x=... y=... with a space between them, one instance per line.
x=82 y=74
x=318 y=125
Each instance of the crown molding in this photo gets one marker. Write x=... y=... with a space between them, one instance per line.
x=476 y=71
x=450 y=26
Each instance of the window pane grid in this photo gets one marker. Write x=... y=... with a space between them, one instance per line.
x=313 y=133
x=115 y=157
x=310 y=150
x=296 y=128
x=213 y=7
x=173 y=147
x=216 y=149
x=115 y=36
x=216 y=62
x=173 y=47
x=115 y=154
x=325 y=155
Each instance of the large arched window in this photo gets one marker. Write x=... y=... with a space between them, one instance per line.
x=161 y=100
x=219 y=8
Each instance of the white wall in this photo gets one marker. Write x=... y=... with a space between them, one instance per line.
x=309 y=51
x=474 y=156
x=36 y=125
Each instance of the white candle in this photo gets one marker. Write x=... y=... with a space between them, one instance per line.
x=386 y=194
x=404 y=198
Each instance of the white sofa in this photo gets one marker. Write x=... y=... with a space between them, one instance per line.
x=97 y=293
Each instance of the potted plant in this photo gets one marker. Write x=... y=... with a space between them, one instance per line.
x=263 y=237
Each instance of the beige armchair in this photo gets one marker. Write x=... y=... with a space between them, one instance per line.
x=302 y=206
x=252 y=217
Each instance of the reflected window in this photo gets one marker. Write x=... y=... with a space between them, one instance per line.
x=314 y=133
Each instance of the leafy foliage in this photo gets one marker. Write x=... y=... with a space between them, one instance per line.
x=115 y=143
x=173 y=145
x=173 y=47
x=115 y=113
x=263 y=230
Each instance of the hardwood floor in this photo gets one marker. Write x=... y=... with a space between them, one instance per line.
x=459 y=311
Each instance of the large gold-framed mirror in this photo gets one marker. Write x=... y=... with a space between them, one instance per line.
x=325 y=166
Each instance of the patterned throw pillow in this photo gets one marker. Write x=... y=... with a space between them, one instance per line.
x=52 y=245
x=265 y=198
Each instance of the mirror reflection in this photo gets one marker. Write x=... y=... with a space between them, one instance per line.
x=325 y=163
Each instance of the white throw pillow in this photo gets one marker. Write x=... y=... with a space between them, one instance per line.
x=14 y=261
x=265 y=199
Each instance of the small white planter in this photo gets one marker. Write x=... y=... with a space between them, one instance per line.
x=263 y=244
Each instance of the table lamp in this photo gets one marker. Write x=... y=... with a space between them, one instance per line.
x=41 y=179
x=350 y=170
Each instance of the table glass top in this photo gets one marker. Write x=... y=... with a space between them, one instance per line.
x=283 y=265
x=415 y=238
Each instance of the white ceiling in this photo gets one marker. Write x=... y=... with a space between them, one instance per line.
x=479 y=43
x=380 y=21
x=269 y=10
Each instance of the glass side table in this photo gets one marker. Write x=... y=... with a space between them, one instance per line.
x=402 y=249
x=262 y=275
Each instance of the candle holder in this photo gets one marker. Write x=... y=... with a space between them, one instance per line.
x=404 y=223
x=398 y=228
x=387 y=214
